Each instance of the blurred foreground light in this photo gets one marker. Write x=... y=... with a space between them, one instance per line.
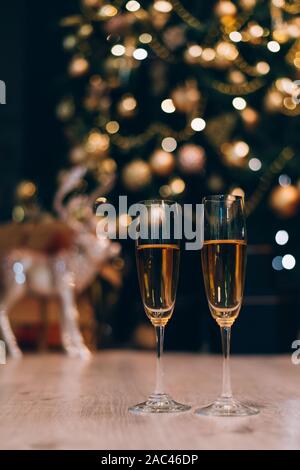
x=195 y=50
x=162 y=6
x=198 y=124
x=112 y=127
x=281 y=237
x=108 y=10
x=239 y=103
x=235 y=36
x=277 y=263
x=145 y=38
x=273 y=46
x=20 y=278
x=132 y=5
x=177 y=186
x=241 y=149
x=262 y=67
x=18 y=214
x=168 y=106
x=208 y=54
x=18 y=267
x=256 y=31
x=254 y=164
x=284 y=180
x=129 y=103
x=140 y=54
x=169 y=144
x=118 y=50
x=288 y=261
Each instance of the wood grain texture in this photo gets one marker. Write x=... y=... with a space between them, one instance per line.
x=54 y=402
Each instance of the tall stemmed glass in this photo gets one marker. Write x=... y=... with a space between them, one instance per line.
x=223 y=264
x=157 y=257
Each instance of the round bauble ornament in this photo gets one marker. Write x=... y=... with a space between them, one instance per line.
x=97 y=144
x=26 y=190
x=136 y=175
x=225 y=8
x=186 y=97
x=285 y=200
x=78 y=66
x=191 y=158
x=162 y=163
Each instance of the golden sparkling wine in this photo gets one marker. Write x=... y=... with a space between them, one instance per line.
x=158 y=267
x=223 y=265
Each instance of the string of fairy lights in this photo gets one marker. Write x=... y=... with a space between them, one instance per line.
x=165 y=33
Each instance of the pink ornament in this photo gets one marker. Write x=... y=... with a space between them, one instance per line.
x=191 y=158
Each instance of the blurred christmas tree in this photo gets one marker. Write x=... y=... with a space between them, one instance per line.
x=175 y=94
x=182 y=99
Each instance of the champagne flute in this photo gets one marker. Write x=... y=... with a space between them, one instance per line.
x=223 y=264
x=157 y=257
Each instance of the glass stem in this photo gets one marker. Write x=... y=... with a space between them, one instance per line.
x=159 y=331
x=226 y=386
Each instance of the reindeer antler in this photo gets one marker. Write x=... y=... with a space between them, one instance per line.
x=103 y=188
x=69 y=182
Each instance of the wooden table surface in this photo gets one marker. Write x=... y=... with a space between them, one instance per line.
x=54 y=402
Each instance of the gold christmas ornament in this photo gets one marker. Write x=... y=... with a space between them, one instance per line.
x=186 y=97
x=26 y=190
x=227 y=50
x=285 y=200
x=234 y=153
x=225 y=8
x=160 y=13
x=177 y=186
x=250 y=117
x=236 y=77
x=193 y=53
x=247 y=4
x=273 y=100
x=107 y=11
x=97 y=144
x=162 y=163
x=127 y=106
x=78 y=66
x=136 y=175
x=191 y=158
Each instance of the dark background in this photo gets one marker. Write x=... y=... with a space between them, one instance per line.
x=32 y=147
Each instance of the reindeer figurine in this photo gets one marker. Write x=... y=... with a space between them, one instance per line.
x=64 y=273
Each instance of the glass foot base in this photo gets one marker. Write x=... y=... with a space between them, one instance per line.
x=227 y=407
x=159 y=403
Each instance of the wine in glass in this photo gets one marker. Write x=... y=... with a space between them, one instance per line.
x=157 y=257
x=224 y=264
